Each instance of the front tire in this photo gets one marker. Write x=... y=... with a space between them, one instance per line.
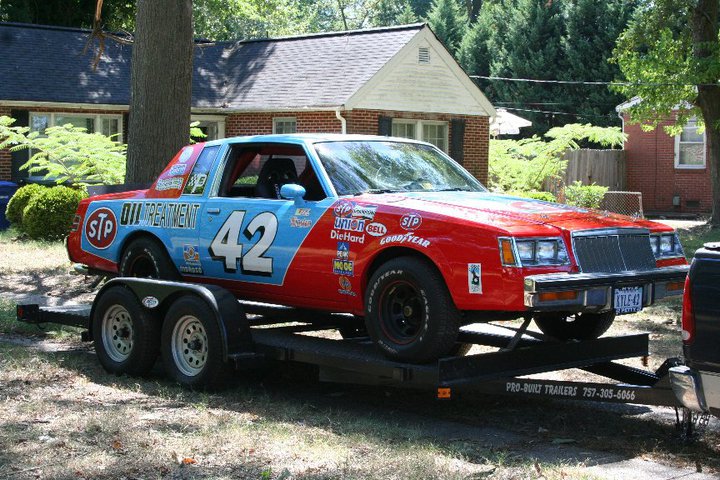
x=191 y=345
x=409 y=313
x=147 y=258
x=581 y=326
x=126 y=338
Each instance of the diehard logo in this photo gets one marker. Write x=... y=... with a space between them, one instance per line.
x=101 y=228
x=376 y=229
x=343 y=209
x=411 y=221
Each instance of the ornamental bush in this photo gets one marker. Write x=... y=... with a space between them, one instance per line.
x=536 y=195
x=49 y=214
x=588 y=196
x=18 y=202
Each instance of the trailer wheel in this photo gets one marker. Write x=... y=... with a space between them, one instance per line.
x=146 y=258
x=409 y=313
x=126 y=337
x=192 y=346
x=581 y=326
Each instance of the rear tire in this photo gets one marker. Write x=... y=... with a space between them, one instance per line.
x=126 y=337
x=147 y=258
x=409 y=313
x=581 y=326
x=192 y=345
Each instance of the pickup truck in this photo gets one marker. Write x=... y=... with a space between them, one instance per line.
x=697 y=383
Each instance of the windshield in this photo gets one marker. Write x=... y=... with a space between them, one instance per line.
x=387 y=166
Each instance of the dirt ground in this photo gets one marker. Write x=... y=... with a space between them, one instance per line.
x=63 y=417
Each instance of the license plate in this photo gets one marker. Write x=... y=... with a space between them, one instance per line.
x=628 y=300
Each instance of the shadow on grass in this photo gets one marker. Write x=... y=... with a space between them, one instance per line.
x=479 y=428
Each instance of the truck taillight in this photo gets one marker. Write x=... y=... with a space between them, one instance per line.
x=688 y=315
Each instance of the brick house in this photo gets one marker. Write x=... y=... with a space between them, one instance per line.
x=397 y=81
x=672 y=172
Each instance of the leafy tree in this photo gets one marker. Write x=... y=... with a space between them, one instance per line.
x=670 y=53
x=67 y=13
x=448 y=19
x=523 y=165
x=392 y=12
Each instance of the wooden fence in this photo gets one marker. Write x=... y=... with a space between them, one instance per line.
x=602 y=167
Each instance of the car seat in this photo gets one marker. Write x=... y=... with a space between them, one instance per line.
x=273 y=175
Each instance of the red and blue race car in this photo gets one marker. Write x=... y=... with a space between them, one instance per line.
x=388 y=229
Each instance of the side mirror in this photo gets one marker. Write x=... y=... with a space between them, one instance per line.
x=293 y=191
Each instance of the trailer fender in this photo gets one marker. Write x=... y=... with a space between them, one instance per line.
x=156 y=296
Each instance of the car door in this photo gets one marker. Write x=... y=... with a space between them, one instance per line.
x=249 y=235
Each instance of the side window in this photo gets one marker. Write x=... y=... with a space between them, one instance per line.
x=260 y=171
x=198 y=178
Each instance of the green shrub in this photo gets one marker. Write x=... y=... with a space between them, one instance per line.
x=18 y=202
x=588 y=196
x=49 y=214
x=536 y=195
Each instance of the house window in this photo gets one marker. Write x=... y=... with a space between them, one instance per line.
x=108 y=125
x=284 y=125
x=213 y=126
x=690 y=147
x=426 y=130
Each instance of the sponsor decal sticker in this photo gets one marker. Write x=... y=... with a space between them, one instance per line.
x=347 y=237
x=351 y=224
x=302 y=212
x=191 y=269
x=177 y=169
x=191 y=253
x=364 y=211
x=411 y=221
x=300 y=222
x=172 y=183
x=101 y=228
x=376 y=229
x=343 y=208
x=343 y=250
x=196 y=183
x=343 y=267
x=474 y=278
x=406 y=238
x=185 y=155
x=346 y=287
x=160 y=214
x=150 y=302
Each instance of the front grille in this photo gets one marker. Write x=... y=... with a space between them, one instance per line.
x=613 y=251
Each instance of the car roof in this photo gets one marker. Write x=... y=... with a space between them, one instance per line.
x=309 y=138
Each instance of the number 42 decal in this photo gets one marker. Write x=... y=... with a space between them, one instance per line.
x=226 y=245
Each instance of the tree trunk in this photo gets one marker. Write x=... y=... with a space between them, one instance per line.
x=705 y=35
x=161 y=79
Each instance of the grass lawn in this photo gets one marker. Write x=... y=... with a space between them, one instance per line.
x=65 y=417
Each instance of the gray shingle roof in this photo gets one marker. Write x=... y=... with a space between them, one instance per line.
x=47 y=64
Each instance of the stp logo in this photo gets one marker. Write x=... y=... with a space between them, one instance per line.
x=411 y=221
x=343 y=209
x=101 y=228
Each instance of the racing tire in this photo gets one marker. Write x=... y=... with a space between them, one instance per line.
x=409 y=313
x=191 y=345
x=580 y=326
x=126 y=337
x=147 y=258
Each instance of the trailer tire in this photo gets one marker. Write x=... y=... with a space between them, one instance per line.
x=146 y=258
x=409 y=313
x=191 y=345
x=581 y=326
x=126 y=337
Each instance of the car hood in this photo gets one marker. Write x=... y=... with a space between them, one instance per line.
x=506 y=212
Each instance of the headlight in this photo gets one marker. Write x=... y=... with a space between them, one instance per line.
x=533 y=252
x=666 y=245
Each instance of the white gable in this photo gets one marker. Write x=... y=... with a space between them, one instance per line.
x=422 y=77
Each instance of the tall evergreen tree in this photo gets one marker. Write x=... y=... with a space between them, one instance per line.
x=392 y=12
x=448 y=19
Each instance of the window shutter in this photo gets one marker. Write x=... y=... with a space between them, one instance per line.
x=457 y=139
x=385 y=126
x=22 y=119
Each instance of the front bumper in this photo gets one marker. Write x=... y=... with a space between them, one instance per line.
x=593 y=292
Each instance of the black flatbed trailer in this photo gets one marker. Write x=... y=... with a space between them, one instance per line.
x=280 y=334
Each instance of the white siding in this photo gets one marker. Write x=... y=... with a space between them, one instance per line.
x=405 y=84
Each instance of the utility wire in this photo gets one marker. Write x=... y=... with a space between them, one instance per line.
x=581 y=115
x=578 y=82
